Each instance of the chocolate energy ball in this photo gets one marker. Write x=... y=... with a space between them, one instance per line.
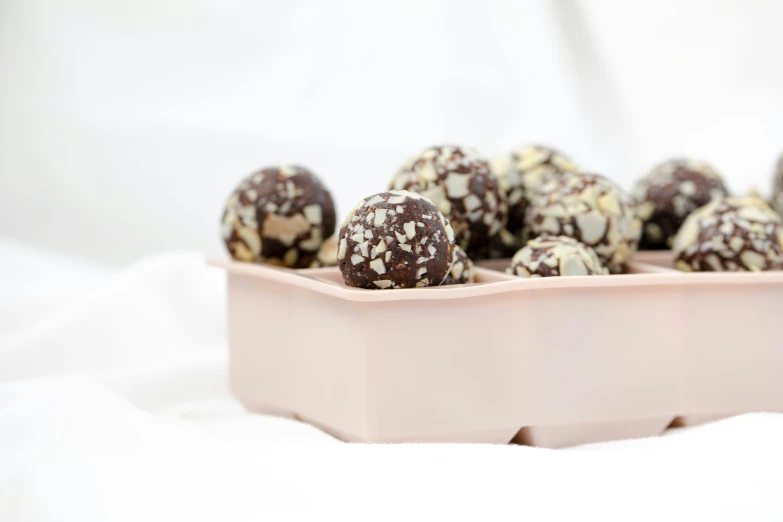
x=327 y=254
x=520 y=172
x=459 y=181
x=590 y=209
x=777 y=188
x=731 y=234
x=278 y=215
x=547 y=256
x=668 y=193
x=395 y=239
x=462 y=270
x=502 y=245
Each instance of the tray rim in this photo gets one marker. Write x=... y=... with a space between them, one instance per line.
x=655 y=276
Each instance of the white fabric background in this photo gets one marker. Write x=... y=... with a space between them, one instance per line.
x=114 y=407
x=124 y=125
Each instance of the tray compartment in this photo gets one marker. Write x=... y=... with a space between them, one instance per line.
x=733 y=360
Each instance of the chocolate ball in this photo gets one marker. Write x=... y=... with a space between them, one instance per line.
x=395 y=239
x=462 y=270
x=777 y=188
x=732 y=234
x=459 y=181
x=278 y=215
x=547 y=256
x=668 y=193
x=502 y=245
x=590 y=209
x=520 y=172
x=327 y=254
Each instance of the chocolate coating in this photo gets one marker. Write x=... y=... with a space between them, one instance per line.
x=459 y=181
x=590 y=209
x=278 y=215
x=395 y=239
x=548 y=256
x=462 y=270
x=520 y=172
x=777 y=188
x=731 y=234
x=668 y=193
x=502 y=245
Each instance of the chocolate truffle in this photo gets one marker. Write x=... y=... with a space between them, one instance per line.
x=777 y=188
x=590 y=209
x=502 y=245
x=731 y=234
x=327 y=254
x=395 y=239
x=459 y=181
x=523 y=170
x=278 y=215
x=547 y=256
x=462 y=270
x=668 y=193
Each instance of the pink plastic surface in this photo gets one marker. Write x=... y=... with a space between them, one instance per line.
x=549 y=362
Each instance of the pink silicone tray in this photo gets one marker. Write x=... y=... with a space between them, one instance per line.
x=549 y=362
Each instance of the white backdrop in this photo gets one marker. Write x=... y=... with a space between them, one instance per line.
x=124 y=125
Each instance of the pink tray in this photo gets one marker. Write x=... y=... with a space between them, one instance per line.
x=549 y=362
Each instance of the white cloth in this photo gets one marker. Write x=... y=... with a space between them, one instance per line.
x=114 y=407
